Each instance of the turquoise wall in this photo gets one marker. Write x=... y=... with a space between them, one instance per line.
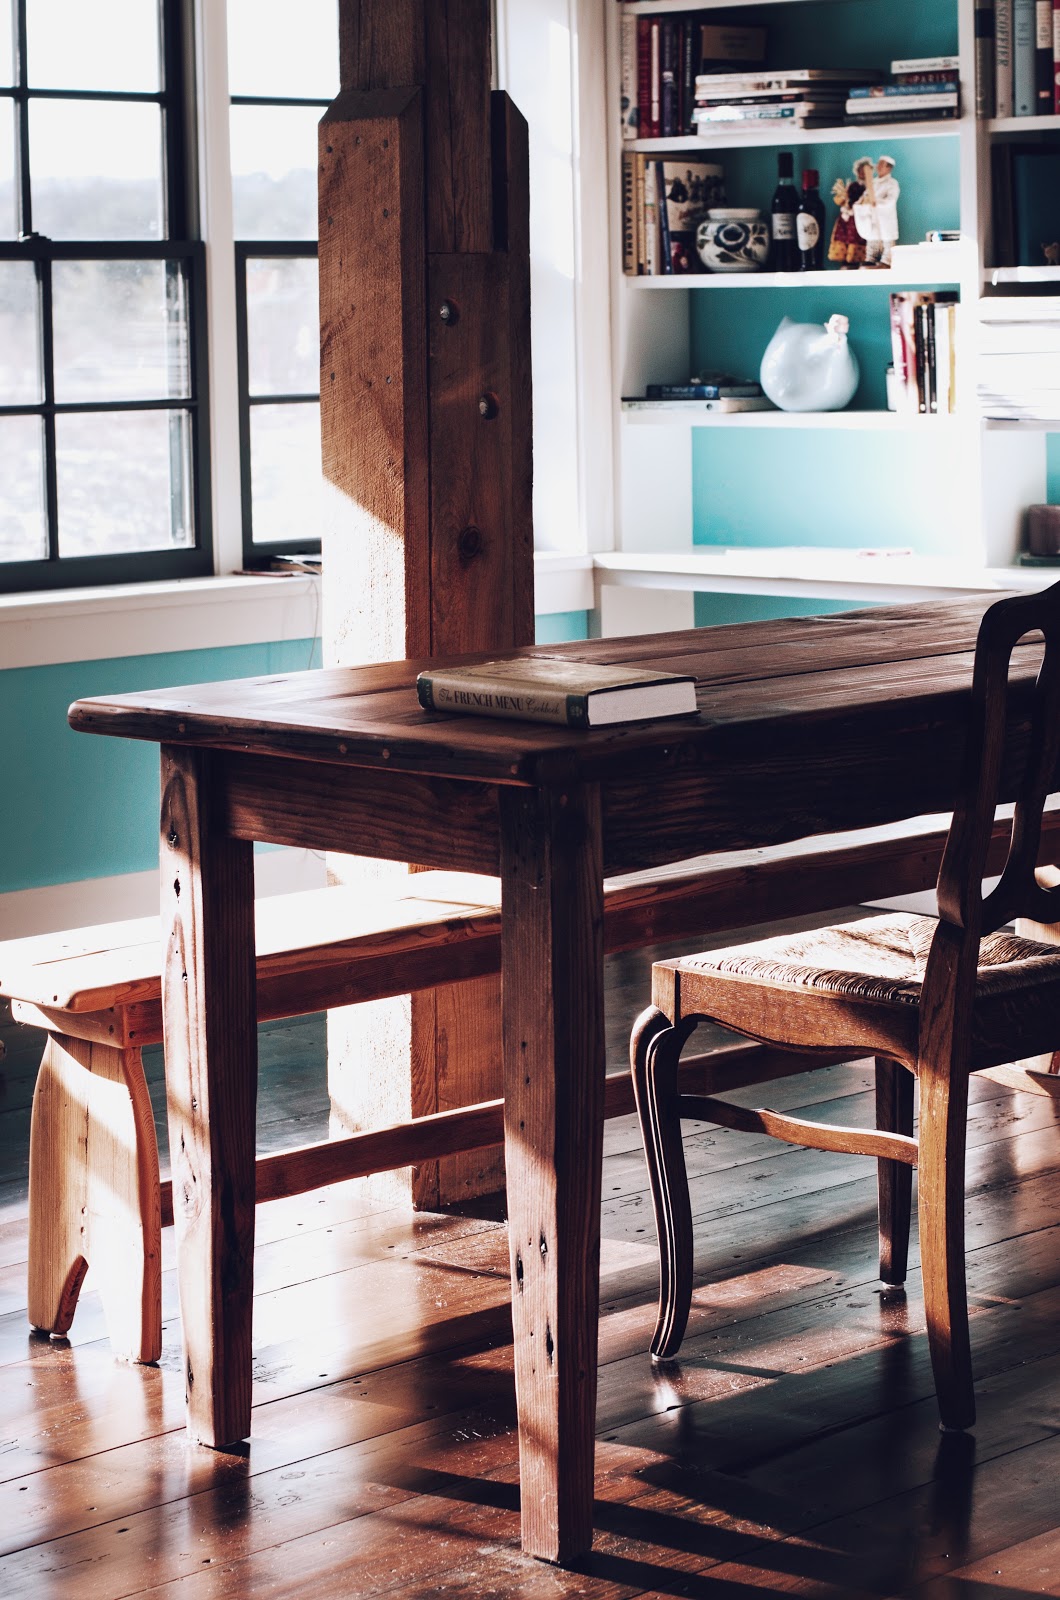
x=73 y=806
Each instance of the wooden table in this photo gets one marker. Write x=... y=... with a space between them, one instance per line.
x=806 y=726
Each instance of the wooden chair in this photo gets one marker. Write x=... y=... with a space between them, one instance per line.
x=934 y=1000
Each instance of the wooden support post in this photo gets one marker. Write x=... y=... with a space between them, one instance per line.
x=426 y=423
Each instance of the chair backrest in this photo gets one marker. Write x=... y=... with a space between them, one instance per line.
x=961 y=902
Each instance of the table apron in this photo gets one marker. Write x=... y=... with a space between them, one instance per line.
x=395 y=816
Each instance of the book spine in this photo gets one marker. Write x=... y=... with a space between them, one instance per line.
x=984 y=58
x=628 y=85
x=629 y=196
x=701 y=391
x=651 y=222
x=1056 y=57
x=1003 y=58
x=898 y=351
x=655 y=111
x=666 y=264
x=1023 y=52
x=668 y=79
x=1043 y=57
x=943 y=114
x=920 y=332
x=436 y=692
x=943 y=358
x=925 y=64
x=638 y=216
x=913 y=102
x=887 y=91
x=643 y=76
x=931 y=358
x=689 y=68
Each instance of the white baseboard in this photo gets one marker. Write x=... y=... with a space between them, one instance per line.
x=135 y=894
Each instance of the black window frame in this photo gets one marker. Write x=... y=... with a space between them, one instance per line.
x=179 y=243
x=259 y=554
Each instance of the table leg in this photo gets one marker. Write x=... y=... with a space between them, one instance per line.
x=209 y=1020
x=552 y=989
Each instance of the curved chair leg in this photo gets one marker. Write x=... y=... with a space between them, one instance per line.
x=894 y=1114
x=94 y=1194
x=655 y=1051
x=940 y=1188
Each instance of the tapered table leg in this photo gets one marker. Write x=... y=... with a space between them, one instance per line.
x=552 y=988
x=209 y=1020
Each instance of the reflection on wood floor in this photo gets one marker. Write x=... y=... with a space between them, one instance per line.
x=793 y=1448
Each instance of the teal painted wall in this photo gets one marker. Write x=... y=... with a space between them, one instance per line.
x=74 y=807
x=1052 y=468
x=717 y=610
x=561 y=626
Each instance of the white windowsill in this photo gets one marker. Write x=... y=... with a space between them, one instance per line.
x=49 y=627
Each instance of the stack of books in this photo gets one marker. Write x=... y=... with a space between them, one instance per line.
x=660 y=58
x=1019 y=358
x=1017 y=58
x=724 y=394
x=765 y=101
x=924 y=351
x=919 y=90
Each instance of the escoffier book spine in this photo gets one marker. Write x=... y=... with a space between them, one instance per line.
x=437 y=693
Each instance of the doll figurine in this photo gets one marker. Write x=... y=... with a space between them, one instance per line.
x=876 y=211
x=846 y=246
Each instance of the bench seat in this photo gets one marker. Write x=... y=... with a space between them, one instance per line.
x=95 y=1194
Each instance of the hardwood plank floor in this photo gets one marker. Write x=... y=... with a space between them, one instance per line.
x=792 y=1449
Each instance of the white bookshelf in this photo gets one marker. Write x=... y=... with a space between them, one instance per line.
x=992 y=468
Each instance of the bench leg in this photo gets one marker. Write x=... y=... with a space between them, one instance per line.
x=94 y=1194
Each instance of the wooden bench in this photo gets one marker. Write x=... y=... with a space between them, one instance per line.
x=95 y=1194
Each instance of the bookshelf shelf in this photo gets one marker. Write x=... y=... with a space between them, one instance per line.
x=1028 y=126
x=812 y=573
x=1000 y=276
x=736 y=138
x=662 y=8
x=849 y=421
x=828 y=278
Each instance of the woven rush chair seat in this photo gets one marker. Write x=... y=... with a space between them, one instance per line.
x=873 y=968
x=932 y=999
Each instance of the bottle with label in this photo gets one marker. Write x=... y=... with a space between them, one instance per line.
x=809 y=224
x=784 y=250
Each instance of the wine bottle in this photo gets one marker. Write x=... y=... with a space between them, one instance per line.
x=784 y=253
x=809 y=224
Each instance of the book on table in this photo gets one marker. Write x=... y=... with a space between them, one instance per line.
x=547 y=689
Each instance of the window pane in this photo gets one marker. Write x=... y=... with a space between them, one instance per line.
x=96 y=169
x=8 y=222
x=285 y=472
x=7 y=59
x=274 y=171
x=124 y=482
x=20 y=375
x=283 y=325
x=121 y=330
x=23 y=527
x=71 y=45
x=269 y=56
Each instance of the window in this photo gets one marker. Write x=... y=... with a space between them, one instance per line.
x=105 y=285
x=280 y=80
x=103 y=427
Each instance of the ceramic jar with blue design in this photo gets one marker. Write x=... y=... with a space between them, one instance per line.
x=733 y=239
